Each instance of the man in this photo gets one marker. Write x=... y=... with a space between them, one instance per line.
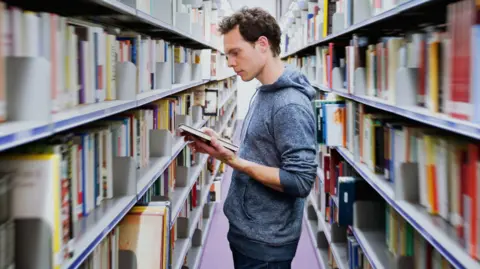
x=276 y=165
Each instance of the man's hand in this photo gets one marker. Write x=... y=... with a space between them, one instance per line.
x=214 y=148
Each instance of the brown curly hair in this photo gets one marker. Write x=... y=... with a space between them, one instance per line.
x=252 y=24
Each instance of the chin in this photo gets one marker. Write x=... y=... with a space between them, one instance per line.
x=246 y=78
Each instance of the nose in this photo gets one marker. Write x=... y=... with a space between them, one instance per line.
x=231 y=62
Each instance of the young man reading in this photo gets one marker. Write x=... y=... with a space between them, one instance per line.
x=275 y=167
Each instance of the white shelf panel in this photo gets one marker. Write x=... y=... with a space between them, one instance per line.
x=194 y=256
x=114 y=4
x=181 y=247
x=419 y=114
x=372 y=20
x=208 y=222
x=339 y=251
x=225 y=100
x=181 y=194
x=157 y=166
x=321 y=254
x=319 y=86
x=229 y=74
x=93 y=228
x=178 y=198
x=87 y=113
x=149 y=174
x=195 y=253
x=17 y=133
x=323 y=225
x=374 y=247
x=436 y=231
x=20 y=132
x=150 y=96
x=195 y=216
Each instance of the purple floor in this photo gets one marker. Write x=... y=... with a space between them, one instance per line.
x=217 y=249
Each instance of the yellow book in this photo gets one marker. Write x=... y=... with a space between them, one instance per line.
x=36 y=195
x=433 y=75
x=325 y=18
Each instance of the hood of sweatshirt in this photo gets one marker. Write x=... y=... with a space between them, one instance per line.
x=291 y=78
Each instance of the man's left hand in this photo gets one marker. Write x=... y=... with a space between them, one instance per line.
x=214 y=148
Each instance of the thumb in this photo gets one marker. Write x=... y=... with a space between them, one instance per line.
x=209 y=132
x=214 y=143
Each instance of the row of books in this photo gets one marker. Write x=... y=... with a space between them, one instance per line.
x=202 y=16
x=443 y=175
x=66 y=177
x=359 y=222
x=311 y=21
x=80 y=61
x=411 y=70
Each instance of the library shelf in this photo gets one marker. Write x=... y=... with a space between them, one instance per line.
x=116 y=12
x=319 y=86
x=148 y=175
x=436 y=231
x=404 y=7
x=225 y=100
x=374 y=247
x=93 y=228
x=83 y=114
x=181 y=194
x=195 y=216
x=195 y=255
x=226 y=120
x=182 y=245
x=339 y=250
x=15 y=133
x=196 y=252
x=153 y=95
x=320 y=253
x=117 y=5
x=229 y=74
x=419 y=114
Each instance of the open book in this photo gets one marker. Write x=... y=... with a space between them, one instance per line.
x=205 y=137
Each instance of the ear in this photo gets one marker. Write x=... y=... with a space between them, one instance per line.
x=263 y=43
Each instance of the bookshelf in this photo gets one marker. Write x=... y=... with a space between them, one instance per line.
x=88 y=121
x=404 y=136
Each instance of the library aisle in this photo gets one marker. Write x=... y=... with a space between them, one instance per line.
x=217 y=251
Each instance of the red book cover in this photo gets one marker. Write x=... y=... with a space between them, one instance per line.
x=460 y=92
x=334 y=161
x=326 y=174
x=422 y=75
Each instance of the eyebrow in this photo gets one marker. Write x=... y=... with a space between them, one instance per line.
x=231 y=50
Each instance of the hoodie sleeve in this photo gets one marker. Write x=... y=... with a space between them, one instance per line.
x=294 y=133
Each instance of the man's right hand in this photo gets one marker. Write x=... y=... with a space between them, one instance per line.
x=210 y=132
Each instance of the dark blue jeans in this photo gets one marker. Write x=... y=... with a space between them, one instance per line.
x=241 y=261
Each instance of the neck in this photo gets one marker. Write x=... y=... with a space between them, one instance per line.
x=272 y=70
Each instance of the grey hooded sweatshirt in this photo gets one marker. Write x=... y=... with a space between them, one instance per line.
x=278 y=131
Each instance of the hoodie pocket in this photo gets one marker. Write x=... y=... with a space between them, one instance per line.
x=266 y=206
x=244 y=207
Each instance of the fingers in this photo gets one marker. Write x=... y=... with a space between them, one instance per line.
x=203 y=147
x=215 y=144
x=209 y=131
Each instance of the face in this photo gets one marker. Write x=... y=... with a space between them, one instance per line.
x=245 y=58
